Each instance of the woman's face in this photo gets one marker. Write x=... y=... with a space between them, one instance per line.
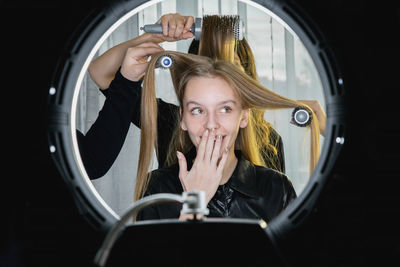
x=210 y=103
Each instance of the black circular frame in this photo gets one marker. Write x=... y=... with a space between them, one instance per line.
x=73 y=64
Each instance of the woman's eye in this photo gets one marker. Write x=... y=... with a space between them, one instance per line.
x=226 y=110
x=196 y=111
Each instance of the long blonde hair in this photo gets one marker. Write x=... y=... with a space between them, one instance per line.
x=218 y=42
x=252 y=94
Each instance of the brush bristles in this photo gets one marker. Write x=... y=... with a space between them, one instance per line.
x=238 y=30
x=229 y=24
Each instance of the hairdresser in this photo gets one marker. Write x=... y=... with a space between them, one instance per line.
x=100 y=146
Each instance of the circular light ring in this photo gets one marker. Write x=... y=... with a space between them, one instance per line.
x=88 y=38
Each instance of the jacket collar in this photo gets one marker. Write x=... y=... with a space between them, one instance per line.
x=243 y=178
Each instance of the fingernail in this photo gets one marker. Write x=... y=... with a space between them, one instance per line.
x=219 y=137
x=178 y=154
x=206 y=133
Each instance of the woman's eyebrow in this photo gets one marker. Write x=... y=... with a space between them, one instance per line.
x=227 y=101
x=192 y=102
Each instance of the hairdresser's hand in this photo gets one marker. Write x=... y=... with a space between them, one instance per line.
x=319 y=112
x=206 y=172
x=135 y=61
x=175 y=27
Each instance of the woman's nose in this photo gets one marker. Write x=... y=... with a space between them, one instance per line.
x=211 y=122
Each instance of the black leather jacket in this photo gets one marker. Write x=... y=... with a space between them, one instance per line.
x=253 y=191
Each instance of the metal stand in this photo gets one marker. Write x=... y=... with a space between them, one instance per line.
x=193 y=203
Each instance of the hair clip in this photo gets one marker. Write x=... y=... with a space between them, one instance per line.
x=301 y=116
x=164 y=61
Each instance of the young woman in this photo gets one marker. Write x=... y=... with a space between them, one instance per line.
x=215 y=141
x=217 y=42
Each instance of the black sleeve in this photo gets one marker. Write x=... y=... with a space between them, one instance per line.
x=166 y=124
x=102 y=143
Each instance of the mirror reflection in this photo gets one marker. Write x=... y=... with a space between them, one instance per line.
x=110 y=147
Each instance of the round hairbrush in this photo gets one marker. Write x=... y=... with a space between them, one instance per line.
x=301 y=116
x=164 y=61
x=238 y=29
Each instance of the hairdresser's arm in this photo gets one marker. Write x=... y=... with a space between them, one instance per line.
x=319 y=112
x=102 y=70
x=101 y=145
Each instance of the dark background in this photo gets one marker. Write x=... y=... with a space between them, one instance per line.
x=355 y=223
